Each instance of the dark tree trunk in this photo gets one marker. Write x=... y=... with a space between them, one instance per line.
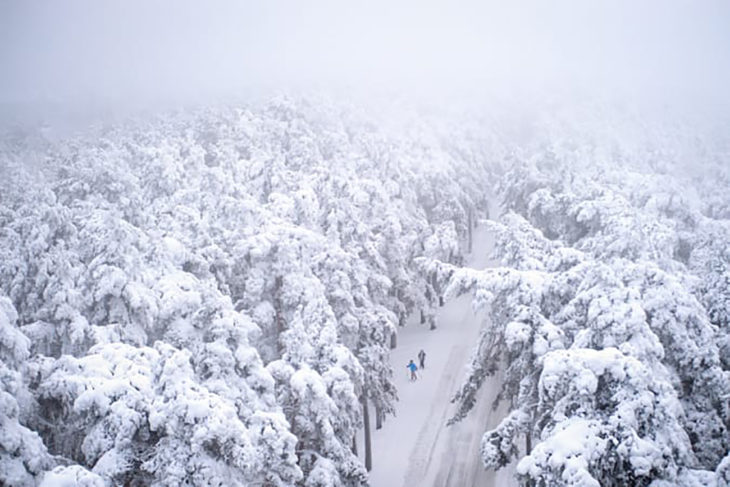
x=437 y=287
x=393 y=340
x=423 y=317
x=528 y=449
x=279 y=314
x=470 y=217
x=378 y=417
x=354 y=445
x=366 y=420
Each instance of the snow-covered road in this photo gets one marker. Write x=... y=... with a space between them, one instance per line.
x=416 y=448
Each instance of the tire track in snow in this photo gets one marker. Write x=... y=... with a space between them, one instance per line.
x=466 y=469
x=422 y=454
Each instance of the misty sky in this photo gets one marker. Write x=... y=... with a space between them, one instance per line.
x=124 y=50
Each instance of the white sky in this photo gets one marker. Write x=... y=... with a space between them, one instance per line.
x=116 y=51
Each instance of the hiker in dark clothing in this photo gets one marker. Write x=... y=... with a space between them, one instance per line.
x=422 y=359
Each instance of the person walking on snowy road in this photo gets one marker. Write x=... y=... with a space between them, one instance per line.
x=422 y=359
x=412 y=367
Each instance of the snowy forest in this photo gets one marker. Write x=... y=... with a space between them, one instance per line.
x=211 y=297
x=474 y=243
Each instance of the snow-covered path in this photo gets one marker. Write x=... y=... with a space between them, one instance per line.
x=416 y=447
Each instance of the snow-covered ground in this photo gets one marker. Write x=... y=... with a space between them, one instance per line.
x=416 y=447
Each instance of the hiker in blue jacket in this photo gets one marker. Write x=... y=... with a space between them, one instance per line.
x=413 y=368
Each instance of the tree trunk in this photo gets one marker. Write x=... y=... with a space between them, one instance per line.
x=528 y=449
x=366 y=420
x=470 y=218
x=437 y=287
x=279 y=318
x=354 y=445
x=378 y=417
x=423 y=317
x=393 y=340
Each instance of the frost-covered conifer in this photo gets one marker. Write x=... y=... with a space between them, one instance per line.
x=23 y=455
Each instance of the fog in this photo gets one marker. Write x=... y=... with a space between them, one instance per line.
x=139 y=53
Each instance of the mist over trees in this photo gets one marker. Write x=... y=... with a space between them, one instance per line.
x=210 y=297
x=215 y=220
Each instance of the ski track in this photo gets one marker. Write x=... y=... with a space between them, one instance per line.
x=416 y=448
